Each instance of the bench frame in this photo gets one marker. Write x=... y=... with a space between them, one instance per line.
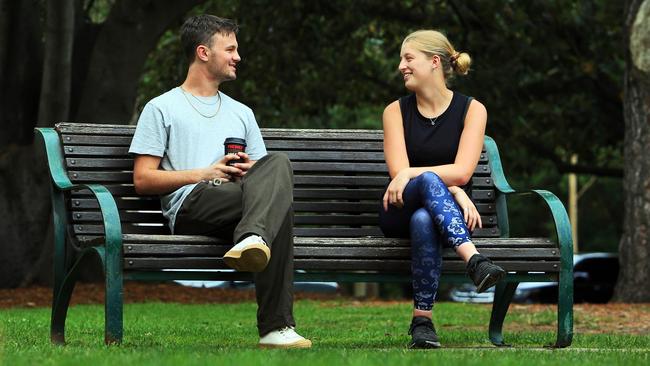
x=68 y=259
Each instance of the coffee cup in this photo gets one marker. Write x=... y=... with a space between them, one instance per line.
x=233 y=145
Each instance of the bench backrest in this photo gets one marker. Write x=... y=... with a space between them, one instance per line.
x=340 y=176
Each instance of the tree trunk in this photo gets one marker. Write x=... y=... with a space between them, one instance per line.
x=21 y=62
x=54 y=103
x=54 y=106
x=128 y=35
x=634 y=248
x=24 y=193
x=24 y=208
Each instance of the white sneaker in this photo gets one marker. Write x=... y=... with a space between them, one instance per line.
x=249 y=255
x=284 y=338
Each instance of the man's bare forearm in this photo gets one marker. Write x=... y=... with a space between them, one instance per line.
x=156 y=181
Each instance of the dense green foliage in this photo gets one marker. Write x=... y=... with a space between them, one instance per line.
x=550 y=74
x=344 y=333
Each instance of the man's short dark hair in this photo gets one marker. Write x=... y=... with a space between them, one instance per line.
x=199 y=29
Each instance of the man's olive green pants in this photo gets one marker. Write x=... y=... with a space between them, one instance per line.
x=259 y=203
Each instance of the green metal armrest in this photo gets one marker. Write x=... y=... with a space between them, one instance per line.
x=61 y=182
x=558 y=212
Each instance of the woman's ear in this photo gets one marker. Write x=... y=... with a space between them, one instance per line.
x=435 y=61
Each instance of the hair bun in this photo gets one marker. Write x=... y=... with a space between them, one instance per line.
x=460 y=62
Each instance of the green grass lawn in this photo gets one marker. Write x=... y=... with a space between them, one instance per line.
x=344 y=333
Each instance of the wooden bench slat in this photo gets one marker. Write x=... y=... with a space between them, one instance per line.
x=322 y=134
x=100 y=176
x=342 y=231
x=486 y=232
x=125 y=216
x=117 y=190
x=381 y=241
x=94 y=129
x=121 y=202
x=482 y=182
x=124 y=203
x=323 y=193
x=99 y=163
x=127 y=228
x=89 y=229
x=153 y=217
x=157 y=250
x=109 y=151
x=481 y=243
x=336 y=242
x=334 y=156
x=69 y=139
x=129 y=190
x=340 y=181
x=336 y=219
x=126 y=177
x=334 y=264
x=483 y=195
x=273 y=145
x=121 y=152
x=299 y=179
x=358 y=207
x=84 y=217
x=375 y=231
x=405 y=265
x=369 y=208
x=532 y=254
x=299 y=166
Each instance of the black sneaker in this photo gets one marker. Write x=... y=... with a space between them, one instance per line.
x=423 y=334
x=483 y=272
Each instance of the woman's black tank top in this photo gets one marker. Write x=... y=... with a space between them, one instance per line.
x=431 y=142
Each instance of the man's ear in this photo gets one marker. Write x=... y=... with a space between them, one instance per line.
x=202 y=52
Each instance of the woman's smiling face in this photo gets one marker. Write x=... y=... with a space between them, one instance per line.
x=416 y=67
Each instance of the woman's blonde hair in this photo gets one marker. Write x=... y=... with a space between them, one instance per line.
x=432 y=42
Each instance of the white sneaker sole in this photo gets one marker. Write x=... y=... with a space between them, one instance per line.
x=303 y=343
x=253 y=258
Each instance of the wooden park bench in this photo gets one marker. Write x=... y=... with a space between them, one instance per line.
x=340 y=177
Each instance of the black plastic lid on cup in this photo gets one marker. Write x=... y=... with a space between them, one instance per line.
x=235 y=140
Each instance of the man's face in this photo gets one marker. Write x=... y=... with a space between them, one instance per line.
x=223 y=57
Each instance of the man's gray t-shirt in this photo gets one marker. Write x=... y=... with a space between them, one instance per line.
x=171 y=127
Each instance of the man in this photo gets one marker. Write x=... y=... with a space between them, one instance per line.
x=179 y=147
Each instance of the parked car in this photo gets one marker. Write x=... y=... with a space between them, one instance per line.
x=321 y=287
x=594 y=278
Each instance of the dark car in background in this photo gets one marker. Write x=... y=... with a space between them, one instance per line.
x=594 y=278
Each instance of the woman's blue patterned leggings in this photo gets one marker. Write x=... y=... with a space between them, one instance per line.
x=432 y=220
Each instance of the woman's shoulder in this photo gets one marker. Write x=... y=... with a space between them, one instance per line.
x=470 y=102
x=399 y=104
x=392 y=109
x=475 y=105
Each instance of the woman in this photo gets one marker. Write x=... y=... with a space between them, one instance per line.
x=432 y=143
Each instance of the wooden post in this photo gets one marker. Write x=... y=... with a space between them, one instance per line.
x=360 y=289
x=573 y=203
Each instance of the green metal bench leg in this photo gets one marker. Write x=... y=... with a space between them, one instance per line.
x=62 y=287
x=60 y=308
x=503 y=294
x=565 y=309
x=60 y=303
x=62 y=294
x=113 y=306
